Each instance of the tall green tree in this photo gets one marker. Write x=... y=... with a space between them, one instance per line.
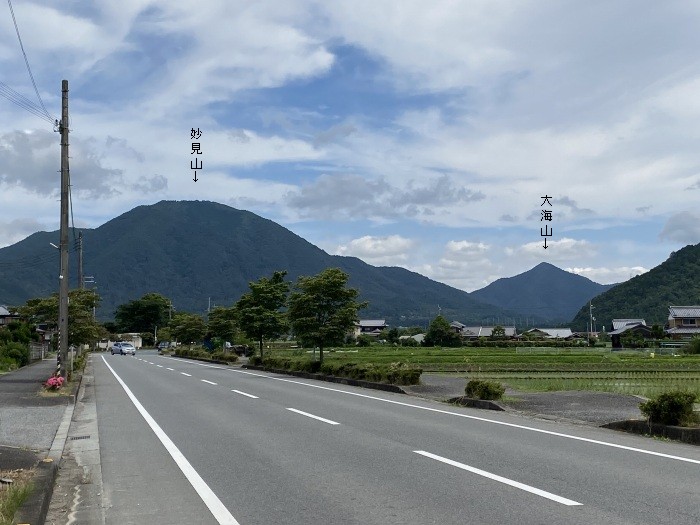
x=188 y=328
x=259 y=312
x=221 y=323
x=440 y=333
x=82 y=327
x=143 y=315
x=322 y=309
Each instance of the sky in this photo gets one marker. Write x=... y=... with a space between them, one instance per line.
x=406 y=133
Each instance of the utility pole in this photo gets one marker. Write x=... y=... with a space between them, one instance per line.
x=590 y=313
x=63 y=276
x=80 y=260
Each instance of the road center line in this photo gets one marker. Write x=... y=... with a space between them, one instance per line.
x=211 y=500
x=477 y=418
x=244 y=394
x=210 y=382
x=314 y=417
x=184 y=374
x=169 y=369
x=159 y=366
x=501 y=479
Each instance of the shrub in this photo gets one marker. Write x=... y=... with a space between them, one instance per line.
x=364 y=340
x=478 y=389
x=693 y=346
x=18 y=352
x=670 y=408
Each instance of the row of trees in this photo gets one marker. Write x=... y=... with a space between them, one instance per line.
x=319 y=310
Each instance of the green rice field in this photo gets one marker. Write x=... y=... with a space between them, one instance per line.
x=539 y=369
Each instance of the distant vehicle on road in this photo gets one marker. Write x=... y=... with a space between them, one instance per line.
x=123 y=348
x=163 y=345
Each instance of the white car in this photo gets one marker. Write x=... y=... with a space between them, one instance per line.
x=123 y=348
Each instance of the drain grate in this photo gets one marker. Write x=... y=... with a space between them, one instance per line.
x=76 y=438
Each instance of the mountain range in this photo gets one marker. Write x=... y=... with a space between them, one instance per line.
x=201 y=254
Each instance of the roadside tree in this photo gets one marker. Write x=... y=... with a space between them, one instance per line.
x=82 y=327
x=188 y=328
x=259 y=312
x=221 y=323
x=143 y=315
x=322 y=309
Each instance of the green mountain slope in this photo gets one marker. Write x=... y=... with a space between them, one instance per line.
x=676 y=281
x=195 y=251
x=545 y=291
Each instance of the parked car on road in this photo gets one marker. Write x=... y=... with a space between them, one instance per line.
x=123 y=348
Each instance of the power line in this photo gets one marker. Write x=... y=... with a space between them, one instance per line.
x=23 y=102
x=26 y=61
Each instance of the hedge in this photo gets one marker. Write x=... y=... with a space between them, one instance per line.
x=394 y=373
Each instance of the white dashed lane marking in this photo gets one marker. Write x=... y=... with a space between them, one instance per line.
x=244 y=394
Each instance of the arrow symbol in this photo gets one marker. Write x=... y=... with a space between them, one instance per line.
x=545 y=243
x=196 y=179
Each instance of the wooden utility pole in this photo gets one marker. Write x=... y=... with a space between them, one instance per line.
x=81 y=279
x=62 y=364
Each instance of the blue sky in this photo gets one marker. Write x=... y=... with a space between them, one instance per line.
x=405 y=133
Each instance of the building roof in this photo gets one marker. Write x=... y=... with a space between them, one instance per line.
x=457 y=324
x=485 y=331
x=554 y=333
x=4 y=311
x=683 y=311
x=631 y=326
x=619 y=323
x=372 y=323
x=684 y=330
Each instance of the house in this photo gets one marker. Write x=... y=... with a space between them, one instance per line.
x=417 y=338
x=628 y=327
x=457 y=327
x=6 y=317
x=371 y=327
x=551 y=333
x=683 y=322
x=474 y=332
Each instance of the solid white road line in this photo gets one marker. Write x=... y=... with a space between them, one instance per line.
x=169 y=369
x=205 y=381
x=213 y=503
x=184 y=374
x=314 y=417
x=244 y=394
x=477 y=418
x=159 y=366
x=501 y=479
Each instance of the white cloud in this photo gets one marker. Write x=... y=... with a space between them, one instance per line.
x=605 y=275
x=392 y=250
x=558 y=250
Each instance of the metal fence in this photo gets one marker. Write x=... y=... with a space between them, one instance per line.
x=37 y=351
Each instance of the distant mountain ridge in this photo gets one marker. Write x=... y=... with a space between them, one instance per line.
x=193 y=251
x=675 y=282
x=544 y=291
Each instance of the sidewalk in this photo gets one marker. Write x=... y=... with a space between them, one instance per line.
x=33 y=427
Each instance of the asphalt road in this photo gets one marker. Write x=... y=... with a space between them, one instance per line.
x=196 y=443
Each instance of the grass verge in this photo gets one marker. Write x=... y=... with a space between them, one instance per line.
x=13 y=495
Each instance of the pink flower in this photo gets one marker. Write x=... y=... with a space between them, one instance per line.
x=54 y=382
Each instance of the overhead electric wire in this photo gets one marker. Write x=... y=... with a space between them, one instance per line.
x=26 y=61
x=23 y=102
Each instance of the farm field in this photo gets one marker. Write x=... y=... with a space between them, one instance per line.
x=537 y=369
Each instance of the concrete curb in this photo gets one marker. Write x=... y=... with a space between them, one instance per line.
x=476 y=403
x=33 y=510
x=641 y=426
x=331 y=379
